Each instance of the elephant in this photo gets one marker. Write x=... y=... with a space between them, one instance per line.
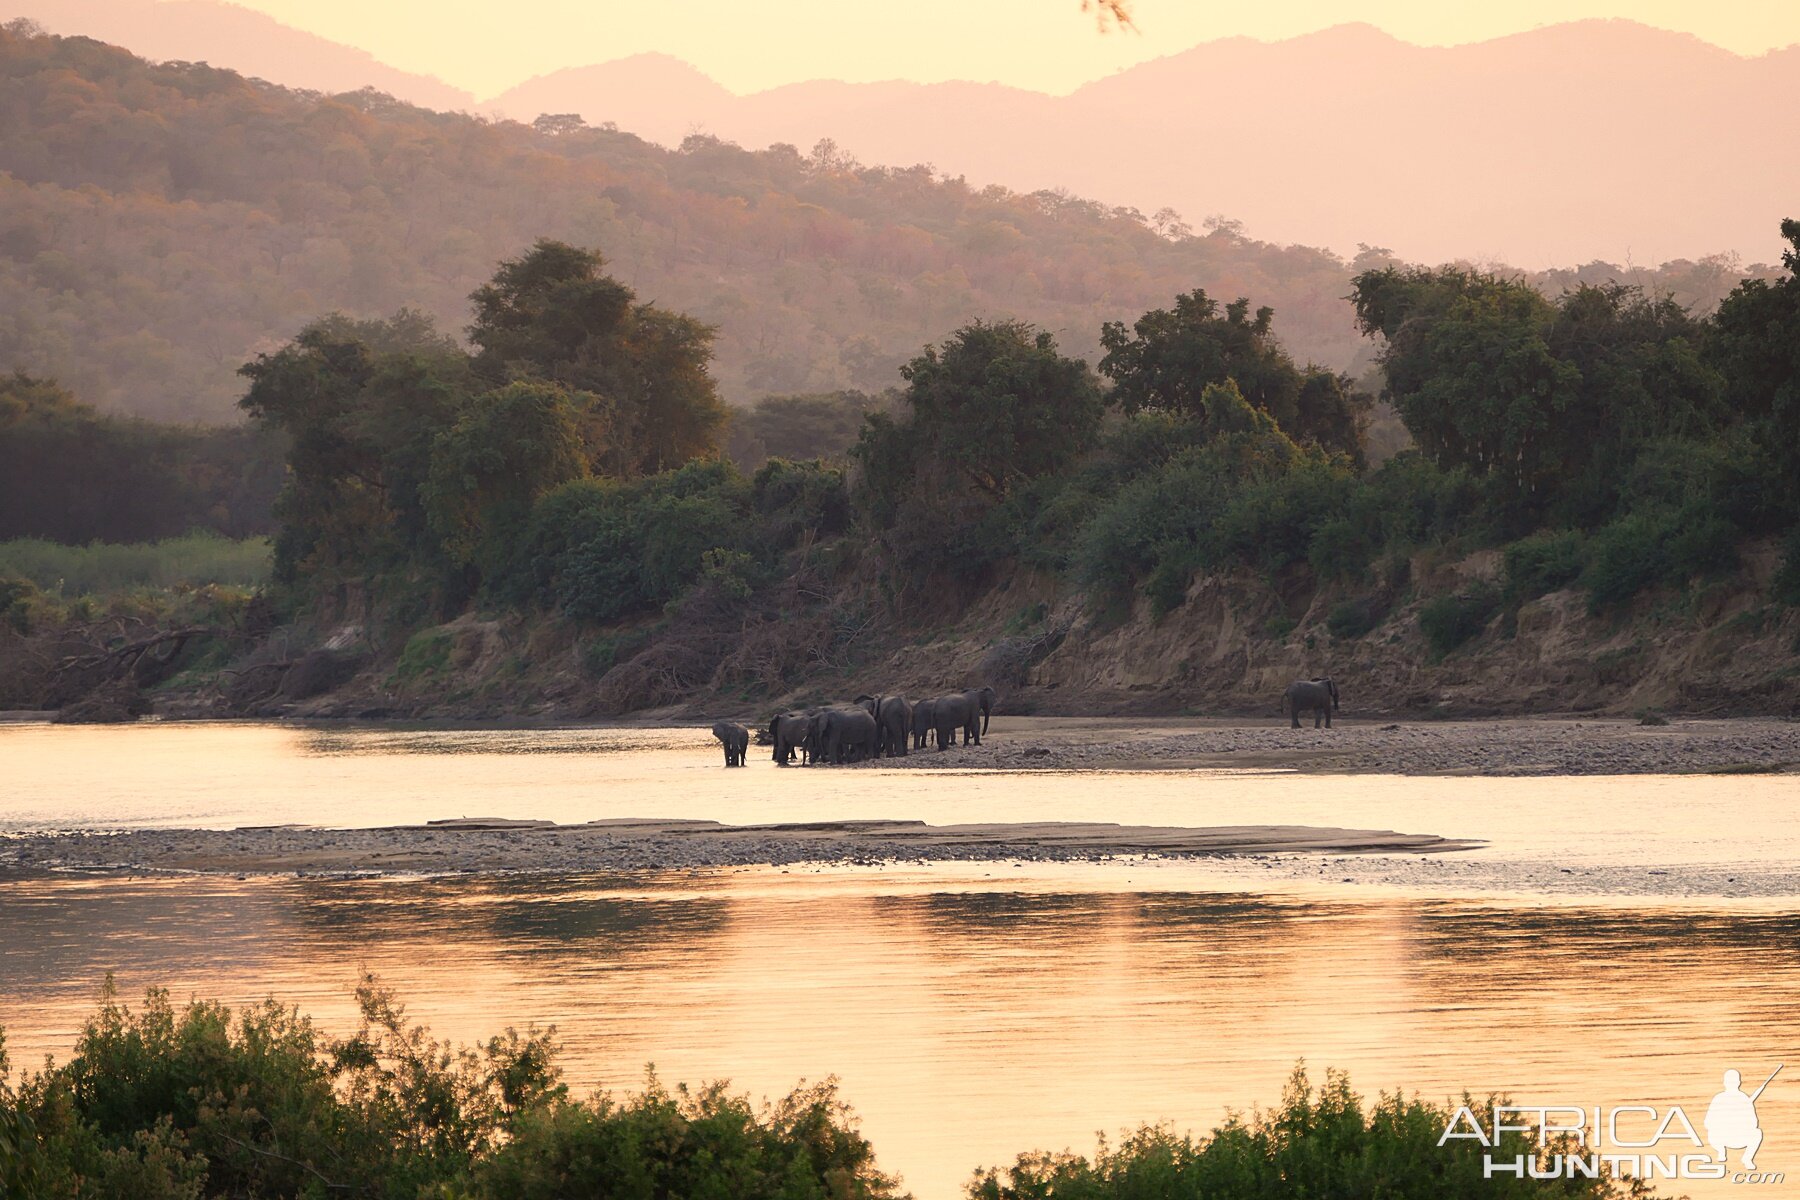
x=921 y=722
x=1318 y=695
x=792 y=732
x=983 y=699
x=953 y=712
x=893 y=721
x=736 y=740
x=844 y=735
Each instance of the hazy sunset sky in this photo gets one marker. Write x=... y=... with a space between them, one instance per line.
x=1047 y=45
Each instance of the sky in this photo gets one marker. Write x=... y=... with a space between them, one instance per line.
x=1045 y=45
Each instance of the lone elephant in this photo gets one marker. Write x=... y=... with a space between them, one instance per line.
x=791 y=733
x=736 y=740
x=1319 y=696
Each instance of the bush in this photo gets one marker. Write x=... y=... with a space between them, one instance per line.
x=1787 y=576
x=1449 y=621
x=1646 y=549
x=1322 y=1143
x=203 y=1102
x=1278 y=627
x=1543 y=563
x=1355 y=618
x=1275 y=522
x=1168 y=583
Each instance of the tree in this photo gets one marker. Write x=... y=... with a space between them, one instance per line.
x=552 y=314
x=1756 y=345
x=1552 y=399
x=999 y=404
x=509 y=447
x=821 y=425
x=1169 y=357
x=359 y=403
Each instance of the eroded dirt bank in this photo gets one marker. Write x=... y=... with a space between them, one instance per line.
x=620 y=845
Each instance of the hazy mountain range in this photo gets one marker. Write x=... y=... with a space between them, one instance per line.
x=1595 y=139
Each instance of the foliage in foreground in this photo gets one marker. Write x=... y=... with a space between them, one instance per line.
x=167 y=1103
x=1321 y=1142
x=183 y=1104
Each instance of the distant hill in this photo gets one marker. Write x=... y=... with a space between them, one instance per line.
x=1576 y=141
x=242 y=39
x=160 y=224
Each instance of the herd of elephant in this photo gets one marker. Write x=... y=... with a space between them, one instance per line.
x=869 y=727
x=874 y=726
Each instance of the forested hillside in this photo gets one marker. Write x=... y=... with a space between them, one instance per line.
x=161 y=224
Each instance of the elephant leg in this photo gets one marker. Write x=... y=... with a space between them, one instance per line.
x=1328 y=718
x=1318 y=717
x=1296 y=723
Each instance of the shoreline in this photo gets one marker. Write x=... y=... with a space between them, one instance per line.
x=1492 y=747
x=1488 y=746
x=481 y=846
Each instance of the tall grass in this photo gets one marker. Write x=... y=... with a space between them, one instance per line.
x=100 y=568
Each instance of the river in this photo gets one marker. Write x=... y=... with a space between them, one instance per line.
x=1617 y=941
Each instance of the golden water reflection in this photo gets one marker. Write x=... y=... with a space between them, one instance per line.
x=969 y=1017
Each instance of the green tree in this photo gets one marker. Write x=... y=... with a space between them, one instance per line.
x=360 y=404
x=552 y=314
x=998 y=405
x=1756 y=345
x=1553 y=400
x=1169 y=357
x=509 y=447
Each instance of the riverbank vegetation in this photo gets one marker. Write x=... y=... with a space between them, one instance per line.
x=191 y=1102
x=570 y=466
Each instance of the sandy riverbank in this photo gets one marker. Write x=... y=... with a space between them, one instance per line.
x=622 y=845
x=1536 y=746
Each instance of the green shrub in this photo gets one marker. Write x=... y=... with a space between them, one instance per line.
x=1324 y=1142
x=1168 y=583
x=1543 y=562
x=1787 y=576
x=1660 y=547
x=202 y=1102
x=1278 y=627
x=1352 y=619
x=1449 y=621
x=425 y=653
x=1341 y=549
x=1273 y=522
x=18 y=599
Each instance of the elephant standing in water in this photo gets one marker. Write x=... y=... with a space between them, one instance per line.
x=922 y=722
x=1319 y=696
x=736 y=740
x=791 y=732
x=893 y=722
x=952 y=713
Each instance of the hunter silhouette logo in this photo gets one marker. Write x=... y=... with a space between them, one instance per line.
x=1731 y=1119
x=1632 y=1141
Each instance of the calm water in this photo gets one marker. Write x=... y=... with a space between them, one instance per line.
x=970 y=1012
